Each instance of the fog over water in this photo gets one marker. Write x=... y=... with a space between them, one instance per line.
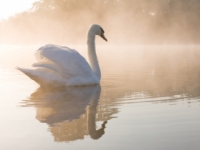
x=148 y=97
x=124 y=21
x=149 y=93
x=175 y=62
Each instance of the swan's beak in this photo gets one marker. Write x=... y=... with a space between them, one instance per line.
x=103 y=36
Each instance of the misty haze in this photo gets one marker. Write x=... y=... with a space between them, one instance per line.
x=126 y=22
x=115 y=74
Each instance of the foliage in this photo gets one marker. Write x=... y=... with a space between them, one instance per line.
x=134 y=21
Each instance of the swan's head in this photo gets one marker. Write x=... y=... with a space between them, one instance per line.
x=97 y=30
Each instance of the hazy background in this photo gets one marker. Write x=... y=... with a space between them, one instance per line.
x=151 y=57
x=124 y=21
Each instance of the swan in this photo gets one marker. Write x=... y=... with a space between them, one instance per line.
x=60 y=65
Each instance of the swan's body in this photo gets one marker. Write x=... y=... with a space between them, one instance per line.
x=59 y=65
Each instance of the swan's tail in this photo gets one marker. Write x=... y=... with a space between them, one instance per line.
x=30 y=74
x=27 y=72
x=44 y=77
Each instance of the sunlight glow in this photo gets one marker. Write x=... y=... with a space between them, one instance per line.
x=11 y=7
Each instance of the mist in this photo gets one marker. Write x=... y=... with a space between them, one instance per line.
x=130 y=22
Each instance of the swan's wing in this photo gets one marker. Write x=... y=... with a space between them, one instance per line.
x=71 y=63
x=49 y=65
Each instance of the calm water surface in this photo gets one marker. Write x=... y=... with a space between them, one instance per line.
x=149 y=99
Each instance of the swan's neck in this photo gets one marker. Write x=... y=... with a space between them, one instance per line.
x=93 y=56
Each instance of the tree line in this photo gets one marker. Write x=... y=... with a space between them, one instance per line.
x=134 y=21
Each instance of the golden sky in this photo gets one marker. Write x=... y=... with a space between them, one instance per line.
x=10 y=7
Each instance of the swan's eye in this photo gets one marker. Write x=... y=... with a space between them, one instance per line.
x=102 y=31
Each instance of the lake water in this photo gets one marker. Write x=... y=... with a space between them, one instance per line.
x=148 y=99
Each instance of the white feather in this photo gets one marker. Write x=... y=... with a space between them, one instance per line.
x=62 y=65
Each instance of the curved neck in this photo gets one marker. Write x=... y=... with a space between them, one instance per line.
x=92 y=55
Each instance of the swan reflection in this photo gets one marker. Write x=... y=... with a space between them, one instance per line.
x=72 y=112
x=69 y=112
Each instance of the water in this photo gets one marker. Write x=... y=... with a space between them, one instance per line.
x=149 y=98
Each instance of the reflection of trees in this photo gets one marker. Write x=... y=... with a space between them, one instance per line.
x=148 y=89
x=163 y=71
x=173 y=62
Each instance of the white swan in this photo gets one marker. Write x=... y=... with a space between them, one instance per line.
x=59 y=65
